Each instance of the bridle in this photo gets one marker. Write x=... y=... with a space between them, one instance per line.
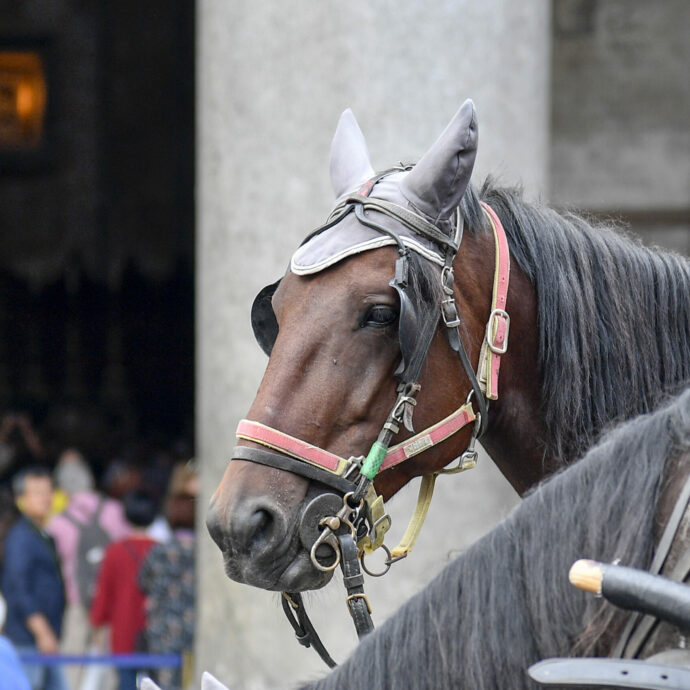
x=355 y=522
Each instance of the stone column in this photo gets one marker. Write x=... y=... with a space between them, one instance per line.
x=273 y=78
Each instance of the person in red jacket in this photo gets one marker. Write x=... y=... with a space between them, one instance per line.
x=118 y=600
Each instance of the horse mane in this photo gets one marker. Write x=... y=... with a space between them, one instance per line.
x=613 y=316
x=506 y=602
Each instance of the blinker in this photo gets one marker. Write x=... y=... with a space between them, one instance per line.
x=417 y=322
x=264 y=322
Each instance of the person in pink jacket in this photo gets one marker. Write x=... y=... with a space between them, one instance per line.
x=73 y=475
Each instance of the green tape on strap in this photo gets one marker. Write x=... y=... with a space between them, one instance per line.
x=373 y=461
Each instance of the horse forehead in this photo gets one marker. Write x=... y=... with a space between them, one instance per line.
x=366 y=273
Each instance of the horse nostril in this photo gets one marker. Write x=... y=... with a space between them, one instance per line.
x=250 y=526
x=258 y=526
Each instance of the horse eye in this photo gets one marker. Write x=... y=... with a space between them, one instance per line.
x=380 y=315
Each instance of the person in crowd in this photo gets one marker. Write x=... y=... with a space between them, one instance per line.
x=12 y=676
x=156 y=467
x=8 y=516
x=167 y=579
x=160 y=530
x=86 y=508
x=133 y=471
x=31 y=579
x=118 y=600
x=121 y=476
x=82 y=532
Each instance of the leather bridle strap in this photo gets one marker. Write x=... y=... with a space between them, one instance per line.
x=304 y=629
x=430 y=437
x=290 y=464
x=310 y=461
x=413 y=221
x=496 y=337
x=357 y=602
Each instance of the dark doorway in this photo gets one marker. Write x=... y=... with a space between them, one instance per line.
x=97 y=233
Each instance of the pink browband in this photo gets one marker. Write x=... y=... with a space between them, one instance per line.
x=494 y=345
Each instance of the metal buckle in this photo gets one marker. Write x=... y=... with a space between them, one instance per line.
x=447 y=280
x=361 y=595
x=496 y=313
x=449 y=310
x=354 y=464
x=399 y=409
x=468 y=459
x=451 y=318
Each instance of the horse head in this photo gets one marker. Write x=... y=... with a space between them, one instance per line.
x=358 y=334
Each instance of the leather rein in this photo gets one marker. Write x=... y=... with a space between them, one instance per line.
x=356 y=521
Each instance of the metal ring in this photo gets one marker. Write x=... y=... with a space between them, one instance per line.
x=388 y=563
x=315 y=561
x=346 y=501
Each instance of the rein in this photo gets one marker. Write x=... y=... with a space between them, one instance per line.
x=356 y=524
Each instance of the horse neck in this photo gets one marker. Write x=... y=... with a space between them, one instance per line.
x=515 y=434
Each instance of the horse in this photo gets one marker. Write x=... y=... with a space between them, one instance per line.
x=506 y=602
x=401 y=302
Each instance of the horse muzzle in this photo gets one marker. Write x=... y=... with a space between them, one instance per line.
x=265 y=547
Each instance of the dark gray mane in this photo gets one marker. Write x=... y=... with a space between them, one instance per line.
x=506 y=602
x=614 y=316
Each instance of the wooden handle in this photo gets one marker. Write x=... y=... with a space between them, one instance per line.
x=586 y=575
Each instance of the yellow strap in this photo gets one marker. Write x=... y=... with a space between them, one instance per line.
x=426 y=491
x=379 y=519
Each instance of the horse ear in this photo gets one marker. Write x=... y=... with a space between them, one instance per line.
x=350 y=165
x=436 y=184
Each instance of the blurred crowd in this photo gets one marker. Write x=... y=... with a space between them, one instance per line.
x=93 y=560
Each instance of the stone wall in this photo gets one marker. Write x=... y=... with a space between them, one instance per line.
x=621 y=114
x=273 y=78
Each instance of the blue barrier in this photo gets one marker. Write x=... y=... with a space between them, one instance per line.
x=116 y=660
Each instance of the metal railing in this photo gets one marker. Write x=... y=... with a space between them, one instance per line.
x=148 y=661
